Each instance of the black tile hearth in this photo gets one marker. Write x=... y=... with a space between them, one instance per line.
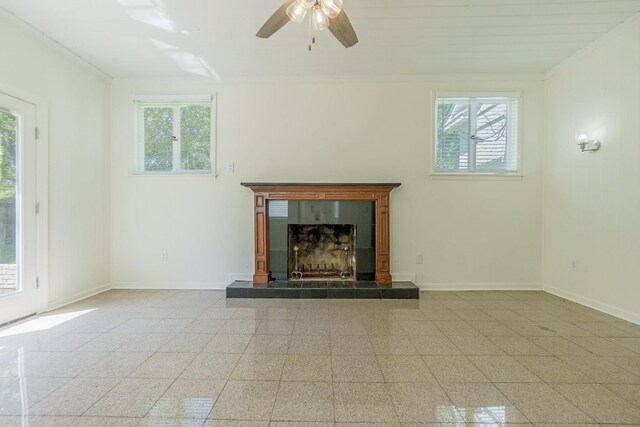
x=318 y=289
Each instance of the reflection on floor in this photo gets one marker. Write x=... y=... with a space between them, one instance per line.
x=192 y=358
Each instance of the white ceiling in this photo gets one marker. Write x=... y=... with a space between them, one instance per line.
x=179 y=38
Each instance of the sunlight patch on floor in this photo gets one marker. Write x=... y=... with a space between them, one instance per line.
x=42 y=323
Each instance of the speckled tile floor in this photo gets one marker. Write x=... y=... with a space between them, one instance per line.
x=194 y=358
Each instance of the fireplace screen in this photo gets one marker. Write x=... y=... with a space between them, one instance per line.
x=322 y=252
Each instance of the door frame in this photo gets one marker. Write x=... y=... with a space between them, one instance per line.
x=42 y=189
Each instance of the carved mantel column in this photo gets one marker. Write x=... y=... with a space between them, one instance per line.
x=261 y=209
x=383 y=251
x=378 y=193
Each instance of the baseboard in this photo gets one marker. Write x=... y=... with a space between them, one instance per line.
x=170 y=285
x=242 y=277
x=404 y=277
x=600 y=306
x=479 y=286
x=78 y=297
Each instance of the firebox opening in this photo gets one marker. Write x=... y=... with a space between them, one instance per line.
x=322 y=252
x=283 y=213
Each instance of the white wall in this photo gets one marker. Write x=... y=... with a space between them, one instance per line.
x=476 y=233
x=592 y=200
x=79 y=213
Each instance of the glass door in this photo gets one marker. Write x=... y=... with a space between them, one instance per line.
x=18 y=209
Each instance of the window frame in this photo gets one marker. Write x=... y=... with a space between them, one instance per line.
x=476 y=174
x=175 y=102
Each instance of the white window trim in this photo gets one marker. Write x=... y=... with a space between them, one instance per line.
x=475 y=176
x=138 y=162
x=173 y=98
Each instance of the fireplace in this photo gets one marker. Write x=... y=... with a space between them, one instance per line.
x=357 y=215
x=314 y=226
x=322 y=252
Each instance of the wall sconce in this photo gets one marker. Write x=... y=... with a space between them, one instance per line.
x=587 y=144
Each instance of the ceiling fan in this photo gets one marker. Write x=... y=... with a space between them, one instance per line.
x=323 y=14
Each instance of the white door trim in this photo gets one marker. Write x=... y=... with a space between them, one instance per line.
x=42 y=189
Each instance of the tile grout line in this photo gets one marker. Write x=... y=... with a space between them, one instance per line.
x=226 y=381
x=275 y=400
x=443 y=389
x=181 y=372
x=333 y=389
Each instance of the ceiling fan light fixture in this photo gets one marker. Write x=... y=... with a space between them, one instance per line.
x=323 y=14
x=319 y=20
x=297 y=11
x=331 y=8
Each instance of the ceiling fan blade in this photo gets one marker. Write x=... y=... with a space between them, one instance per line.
x=341 y=28
x=277 y=21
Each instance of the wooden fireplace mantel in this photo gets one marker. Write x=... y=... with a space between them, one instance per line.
x=376 y=192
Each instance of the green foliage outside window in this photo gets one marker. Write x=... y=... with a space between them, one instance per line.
x=158 y=139
x=195 y=137
x=7 y=188
x=192 y=135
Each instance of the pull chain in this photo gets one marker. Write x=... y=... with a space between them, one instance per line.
x=310 y=36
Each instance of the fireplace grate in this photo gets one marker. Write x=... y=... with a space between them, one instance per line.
x=322 y=252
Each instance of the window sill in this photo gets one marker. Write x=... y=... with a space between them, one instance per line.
x=476 y=176
x=182 y=174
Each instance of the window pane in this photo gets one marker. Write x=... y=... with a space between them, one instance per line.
x=491 y=136
x=8 y=134
x=476 y=134
x=195 y=137
x=452 y=139
x=158 y=139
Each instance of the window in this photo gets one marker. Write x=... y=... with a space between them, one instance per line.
x=278 y=208
x=476 y=133
x=174 y=135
